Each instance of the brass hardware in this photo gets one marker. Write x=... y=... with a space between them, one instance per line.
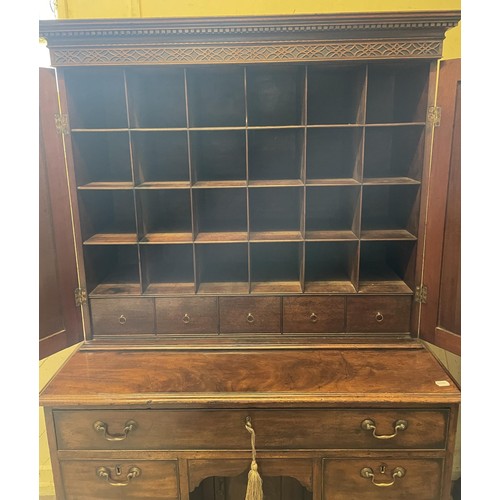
x=379 y=317
x=122 y=319
x=80 y=296
x=369 y=425
x=250 y=318
x=105 y=473
x=421 y=294
x=313 y=318
x=434 y=116
x=62 y=124
x=102 y=427
x=367 y=473
x=186 y=319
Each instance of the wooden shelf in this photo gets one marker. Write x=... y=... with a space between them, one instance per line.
x=164 y=238
x=116 y=289
x=339 y=287
x=107 y=186
x=276 y=236
x=276 y=287
x=224 y=287
x=330 y=235
x=374 y=181
x=170 y=289
x=219 y=184
x=387 y=234
x=112 y=239
x=221 y=237
x=164 y=185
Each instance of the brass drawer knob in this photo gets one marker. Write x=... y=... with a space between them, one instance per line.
x=105 y=473
x=186 y=319
x=250 y=318
x=100 y=426
x=369 y=425
x=313 y=318
x=368 y=473
x=122 y=320
x=379 y=317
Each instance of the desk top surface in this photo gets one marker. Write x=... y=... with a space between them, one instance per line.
x=260 y=377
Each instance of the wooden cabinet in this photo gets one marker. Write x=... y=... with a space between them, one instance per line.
x=249 y=199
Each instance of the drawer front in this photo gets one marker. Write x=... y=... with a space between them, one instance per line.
x=122 y=316
x=225 y=429
x=378 y=314
x=123 y=479
x=186 y=315
x=371 y=478
x=250 y=314
x=313 y=314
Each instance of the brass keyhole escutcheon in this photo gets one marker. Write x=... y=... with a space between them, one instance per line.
x=313 y=318
x=250 y=318
x=186 y=319
x=379 y=317
x=122 y=320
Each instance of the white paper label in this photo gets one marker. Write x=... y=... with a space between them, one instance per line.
x=442 y=383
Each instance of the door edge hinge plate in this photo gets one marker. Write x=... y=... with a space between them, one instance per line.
x=62 y=124
x=434 y=116
x=80 y=297
x=421 y=294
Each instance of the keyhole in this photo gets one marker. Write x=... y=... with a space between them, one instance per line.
x=118 y=470
x=382 y=468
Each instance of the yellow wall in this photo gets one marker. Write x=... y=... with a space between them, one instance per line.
x=83 y=9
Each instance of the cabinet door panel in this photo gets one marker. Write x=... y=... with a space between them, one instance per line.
x=440 y=315
x=60 y=321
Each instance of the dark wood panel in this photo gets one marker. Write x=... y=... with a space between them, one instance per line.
x=157 y=479
x=60 y=321
x=225 y=429
x=186 y=315
x=378 y=314
x=313 y=314
x=421 y=479
x=440 y=316
x=342 y=375
x=250 y=314
x=123 y=316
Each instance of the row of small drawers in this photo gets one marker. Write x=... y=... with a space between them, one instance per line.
x=291 y=314
x=276 y=429
x=343 y=478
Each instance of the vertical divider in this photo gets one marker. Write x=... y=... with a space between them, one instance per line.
x=191 y=194
x=364 y=97
x=134 y=191
x=303 y=228
x=247 y=189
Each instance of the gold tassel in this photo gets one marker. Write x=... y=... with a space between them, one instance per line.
x=254 y=486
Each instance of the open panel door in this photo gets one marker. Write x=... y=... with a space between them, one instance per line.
x=440 y=314
x=60 y=320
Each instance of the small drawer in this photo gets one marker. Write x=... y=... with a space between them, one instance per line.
x=186 y=315
x=225 y=429
x=378 y=314
x=122 y=316
x=313 y=314
x=250 y=314
x=383 y=478
x=123 y=479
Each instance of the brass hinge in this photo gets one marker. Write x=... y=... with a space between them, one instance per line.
x=62 y=124
x=80 y=297
x=421 y=294
x=434 y=116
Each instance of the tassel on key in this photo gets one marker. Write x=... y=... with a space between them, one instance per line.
x=254 y=486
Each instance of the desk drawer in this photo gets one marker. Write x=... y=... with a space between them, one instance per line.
x=225 y=429
x=122 y=479
x=186 y=315
x=313 y=314
x=122 y=316
x=250 y=314
x=378 y=314
x=349 y=479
